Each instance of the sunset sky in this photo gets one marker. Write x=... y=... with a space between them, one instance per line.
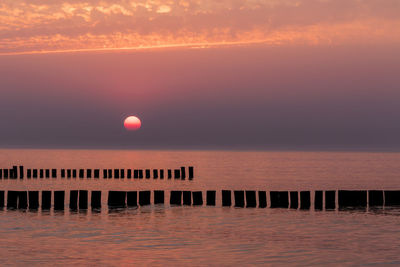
x=273 y=74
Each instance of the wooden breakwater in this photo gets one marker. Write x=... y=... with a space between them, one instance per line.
x=19 y=172
x=79 y=199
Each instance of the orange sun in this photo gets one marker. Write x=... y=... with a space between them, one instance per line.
x=132 y=123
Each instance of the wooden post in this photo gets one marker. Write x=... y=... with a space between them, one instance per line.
x=352 y=198
x=54 y=173
x=187 y=198
x=239 y=199
x=116 y=199
x=81 y=173
x=251 y=201
x=1 y=199
x=69 y=173
x=15 y=174
x=226 y=198
x=392 y=198
x=21 y=172
x=1 y=173
x=305 y=200
x=109 y=173
x=132 y=199
x=161 y=174
x=183 y=173
x=197 y=198
x=89 y=173
x=95 y=200
x=279 y=199
x=96 y=174
x=41 y=173
x=59 y=197
x=177 y=173
x=155 y=173
x=22 y=200
x=104 y=173
x=122 y=172
x=46 y=200
x=135 y=174
x=47 y=173
x=83 y=199
x=140 y=174
x=33 y=200
x=169 y=173
x=147 y=174
x=12 y=199
x=5 y=174
x=74 y=173
x=129 y=174
x=211 y=198
x=144 y=198
x=294 y=200
x=73 y=199
x=330 y=200
x=62 y=173
x=175 y=198
x=116 y=173
x=191 y=174
x=158 y=197
x=262 y=199
x=318 y=200
x=34 y=173
x=375 y=198
x=28 y=173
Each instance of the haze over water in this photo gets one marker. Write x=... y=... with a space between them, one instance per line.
x=165 y=235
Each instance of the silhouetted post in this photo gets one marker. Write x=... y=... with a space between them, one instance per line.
x=89 y=173
x=305 y=200
x=177 y=174
x=147 y=174
x=73 y=199
x=375 y=198
x=109 y=173
x=15 y=174
x=96 y=173
x=104 y=173
x=41 y=173
x=226 y=198
x=62 y=173
x=116 y=173
x=392 y=198
x=34 y=173
x=81 y=173
x=239 y=199
x=129 y=174
x=1 y=173
x=211 y=198
x=279 y=199
x=191 y=174
x=95 y=200
x=294 y=200
x=187 y=198
x=158 y=197
x=28 y=173
x=59 y=197
x=12 y=199
x=74 y=173
x=140 y=174
x=330 y=200
x=69 y=174
x=1 y=199
x=144 y=198
x=169 y=174
x=21 y=172
x=251 y=201
x=116 y=199
x=197 y=198
x=161 y=174
x=122 y=172
x=262 y=199
x=318 y=200
x=22 y=200
x=33 y=200
x=54 y=173
x=47 y=173
x=155 y=173
x=183 y=173
x=135 y=174
x=175 y=198
x=131 y=199
x=5 y=174
x=46 y=200
x=83 y=199
x=352 y=198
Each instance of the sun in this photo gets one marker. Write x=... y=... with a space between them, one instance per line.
x=132 y=123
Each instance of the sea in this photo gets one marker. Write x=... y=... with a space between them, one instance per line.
x=165 y=235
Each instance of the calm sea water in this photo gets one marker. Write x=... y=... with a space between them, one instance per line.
x=164 y=235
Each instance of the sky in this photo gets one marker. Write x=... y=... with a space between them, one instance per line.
x=231 y=74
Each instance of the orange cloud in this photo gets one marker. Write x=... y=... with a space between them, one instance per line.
x=43 y=26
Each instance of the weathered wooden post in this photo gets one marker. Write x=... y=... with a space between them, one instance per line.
x=251 y=201
x=135 y=174
x=140 y=174
x=239 y=199
x=183 y=173
x=95 y=201
x=116 y=199
x=305 y=200
x=226 y=198
x=53 y=173
x=22 y=200
x=12 y=199
x=197 y=198
x=392 y=197
x=211 y=194
x=144 y=198
x=1 y=199
x=177 y=173
x=155 y=173
x=116 y=173
x=279 y=199
x=47 y=173
x=158 y=197
x=46 y=200
x=147 y=174
x=83 y=199
x=191 y=173
x=109 y=173
x=89 y=173
x=187 y=198
x=294 y=200
x=169 y=173
x=41 y=173
x=122 y=172
x=96 y=174
x=73 y=199
x=34 y=173
x=132 y=199
x=81 y=173
x=352 y=198
x=28 y=173
x=74 y=173
x=21 y=172
x=69 y=173
x=375 y=198
x=59 y=197
x=330 y=200
x=105 y=173
x=175 y=198
x=33 y=200
x=161 y=174
x=129 y=174
x=62 y=173
x=262 y=199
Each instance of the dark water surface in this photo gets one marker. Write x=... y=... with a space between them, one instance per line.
x=164 y=235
